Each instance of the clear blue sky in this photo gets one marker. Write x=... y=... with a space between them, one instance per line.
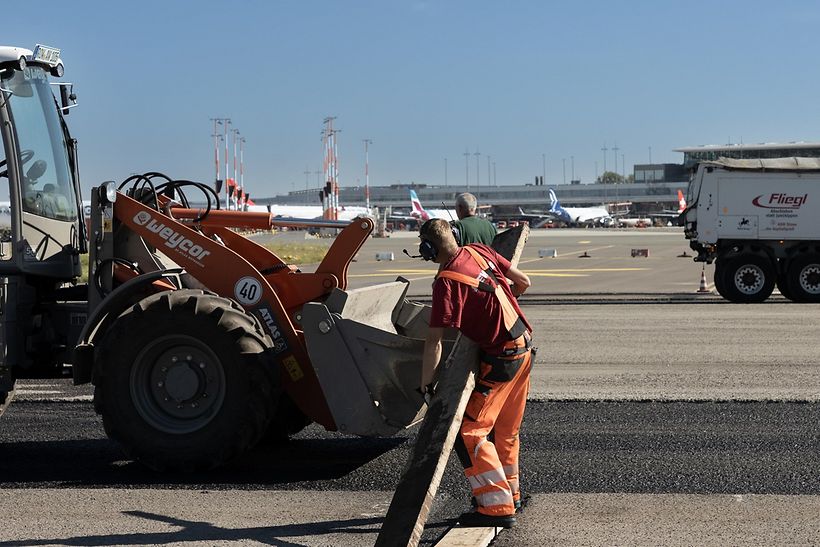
x=425 y=81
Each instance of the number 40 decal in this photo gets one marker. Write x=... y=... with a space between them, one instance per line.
x=248 y=291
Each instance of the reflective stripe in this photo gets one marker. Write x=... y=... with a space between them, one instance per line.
x=513 y=485
x=475 y=452
x=493 y=477
x=496 y=497
x=511 y=470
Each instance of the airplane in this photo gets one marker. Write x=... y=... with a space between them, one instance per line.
x=5 y=215
x=534 y=216
x=648 y=220
x=673 y=216
x=312 y=212
x=420 y=213
x=579 y=215
x=671 y=213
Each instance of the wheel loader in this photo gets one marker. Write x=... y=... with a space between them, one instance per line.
x=198 y=341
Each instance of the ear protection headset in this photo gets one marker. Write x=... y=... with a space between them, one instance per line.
x=427 y=249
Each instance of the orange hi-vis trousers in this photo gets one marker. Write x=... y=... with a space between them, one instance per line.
x=488 y=446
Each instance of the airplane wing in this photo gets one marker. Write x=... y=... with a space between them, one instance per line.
x=536 y=215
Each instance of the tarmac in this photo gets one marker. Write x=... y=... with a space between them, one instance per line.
x=566 y=262
x=613 y=329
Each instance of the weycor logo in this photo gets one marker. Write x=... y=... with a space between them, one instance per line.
x=779 y=201
x=173 y=239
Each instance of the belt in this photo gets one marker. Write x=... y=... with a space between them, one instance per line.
x=519 y=346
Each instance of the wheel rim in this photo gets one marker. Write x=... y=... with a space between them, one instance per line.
x=810 y=279
x=749 y=279
x=177 y=384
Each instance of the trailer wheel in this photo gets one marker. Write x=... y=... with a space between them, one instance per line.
x=182 y=381
x=748 y=278
x=803 y=278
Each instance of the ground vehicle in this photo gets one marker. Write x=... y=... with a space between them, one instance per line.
x=198 y=340
x=760 y=221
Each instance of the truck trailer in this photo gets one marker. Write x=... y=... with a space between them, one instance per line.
x=758 y=220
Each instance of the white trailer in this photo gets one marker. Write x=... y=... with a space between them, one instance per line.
x=759 y=221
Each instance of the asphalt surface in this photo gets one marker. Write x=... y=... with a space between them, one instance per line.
x=50 y=452
x=657 y=415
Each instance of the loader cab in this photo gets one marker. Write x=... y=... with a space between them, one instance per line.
x=41 y=219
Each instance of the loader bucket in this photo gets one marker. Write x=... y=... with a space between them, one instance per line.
x=366 y=348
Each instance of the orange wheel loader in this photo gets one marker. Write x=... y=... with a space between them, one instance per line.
x=198 y=340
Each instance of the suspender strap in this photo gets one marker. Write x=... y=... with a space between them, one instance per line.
x=482 y=263
x=512 y=322
x=467 y=280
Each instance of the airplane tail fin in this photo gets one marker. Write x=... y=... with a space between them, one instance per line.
x=554 y=205
x=415 y=204
x=416 y=208
x=681 y=202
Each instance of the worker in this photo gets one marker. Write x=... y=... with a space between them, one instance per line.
x=472 y=293
x=470 y=227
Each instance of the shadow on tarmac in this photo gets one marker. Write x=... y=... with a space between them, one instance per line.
x=206 y=533
x=95 y=461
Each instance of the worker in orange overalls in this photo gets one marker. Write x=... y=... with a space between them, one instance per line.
x=472 y=293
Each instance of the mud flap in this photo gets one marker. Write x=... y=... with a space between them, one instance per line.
x=369 y=373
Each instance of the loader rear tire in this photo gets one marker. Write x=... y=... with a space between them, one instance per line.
x=183 y=381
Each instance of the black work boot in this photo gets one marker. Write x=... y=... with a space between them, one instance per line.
x=474 y=519
x=521 y=503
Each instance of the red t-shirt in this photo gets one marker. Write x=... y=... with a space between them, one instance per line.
x=476 y=313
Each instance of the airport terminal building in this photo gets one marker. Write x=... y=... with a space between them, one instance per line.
x=653 y=187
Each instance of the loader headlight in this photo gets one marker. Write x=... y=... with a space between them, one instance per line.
x=109 y=192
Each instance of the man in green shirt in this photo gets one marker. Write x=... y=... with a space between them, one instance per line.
x=471 y=228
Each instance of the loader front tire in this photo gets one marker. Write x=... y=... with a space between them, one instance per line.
x=183 y=382
x=287 y=420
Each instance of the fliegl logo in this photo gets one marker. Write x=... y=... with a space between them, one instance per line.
x=173 y=240
x=779 y=201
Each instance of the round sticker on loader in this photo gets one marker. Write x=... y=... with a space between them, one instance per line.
x=248 y=291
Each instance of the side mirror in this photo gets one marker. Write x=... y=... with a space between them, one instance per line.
x=68 y=99
x=64 y=99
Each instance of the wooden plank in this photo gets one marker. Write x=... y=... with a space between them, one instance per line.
x=413 y=499
x=469 y=537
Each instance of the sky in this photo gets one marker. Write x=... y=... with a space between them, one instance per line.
x=536 y=86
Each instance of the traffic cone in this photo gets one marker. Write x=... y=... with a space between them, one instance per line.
x=585 y=255
x=703 y=288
